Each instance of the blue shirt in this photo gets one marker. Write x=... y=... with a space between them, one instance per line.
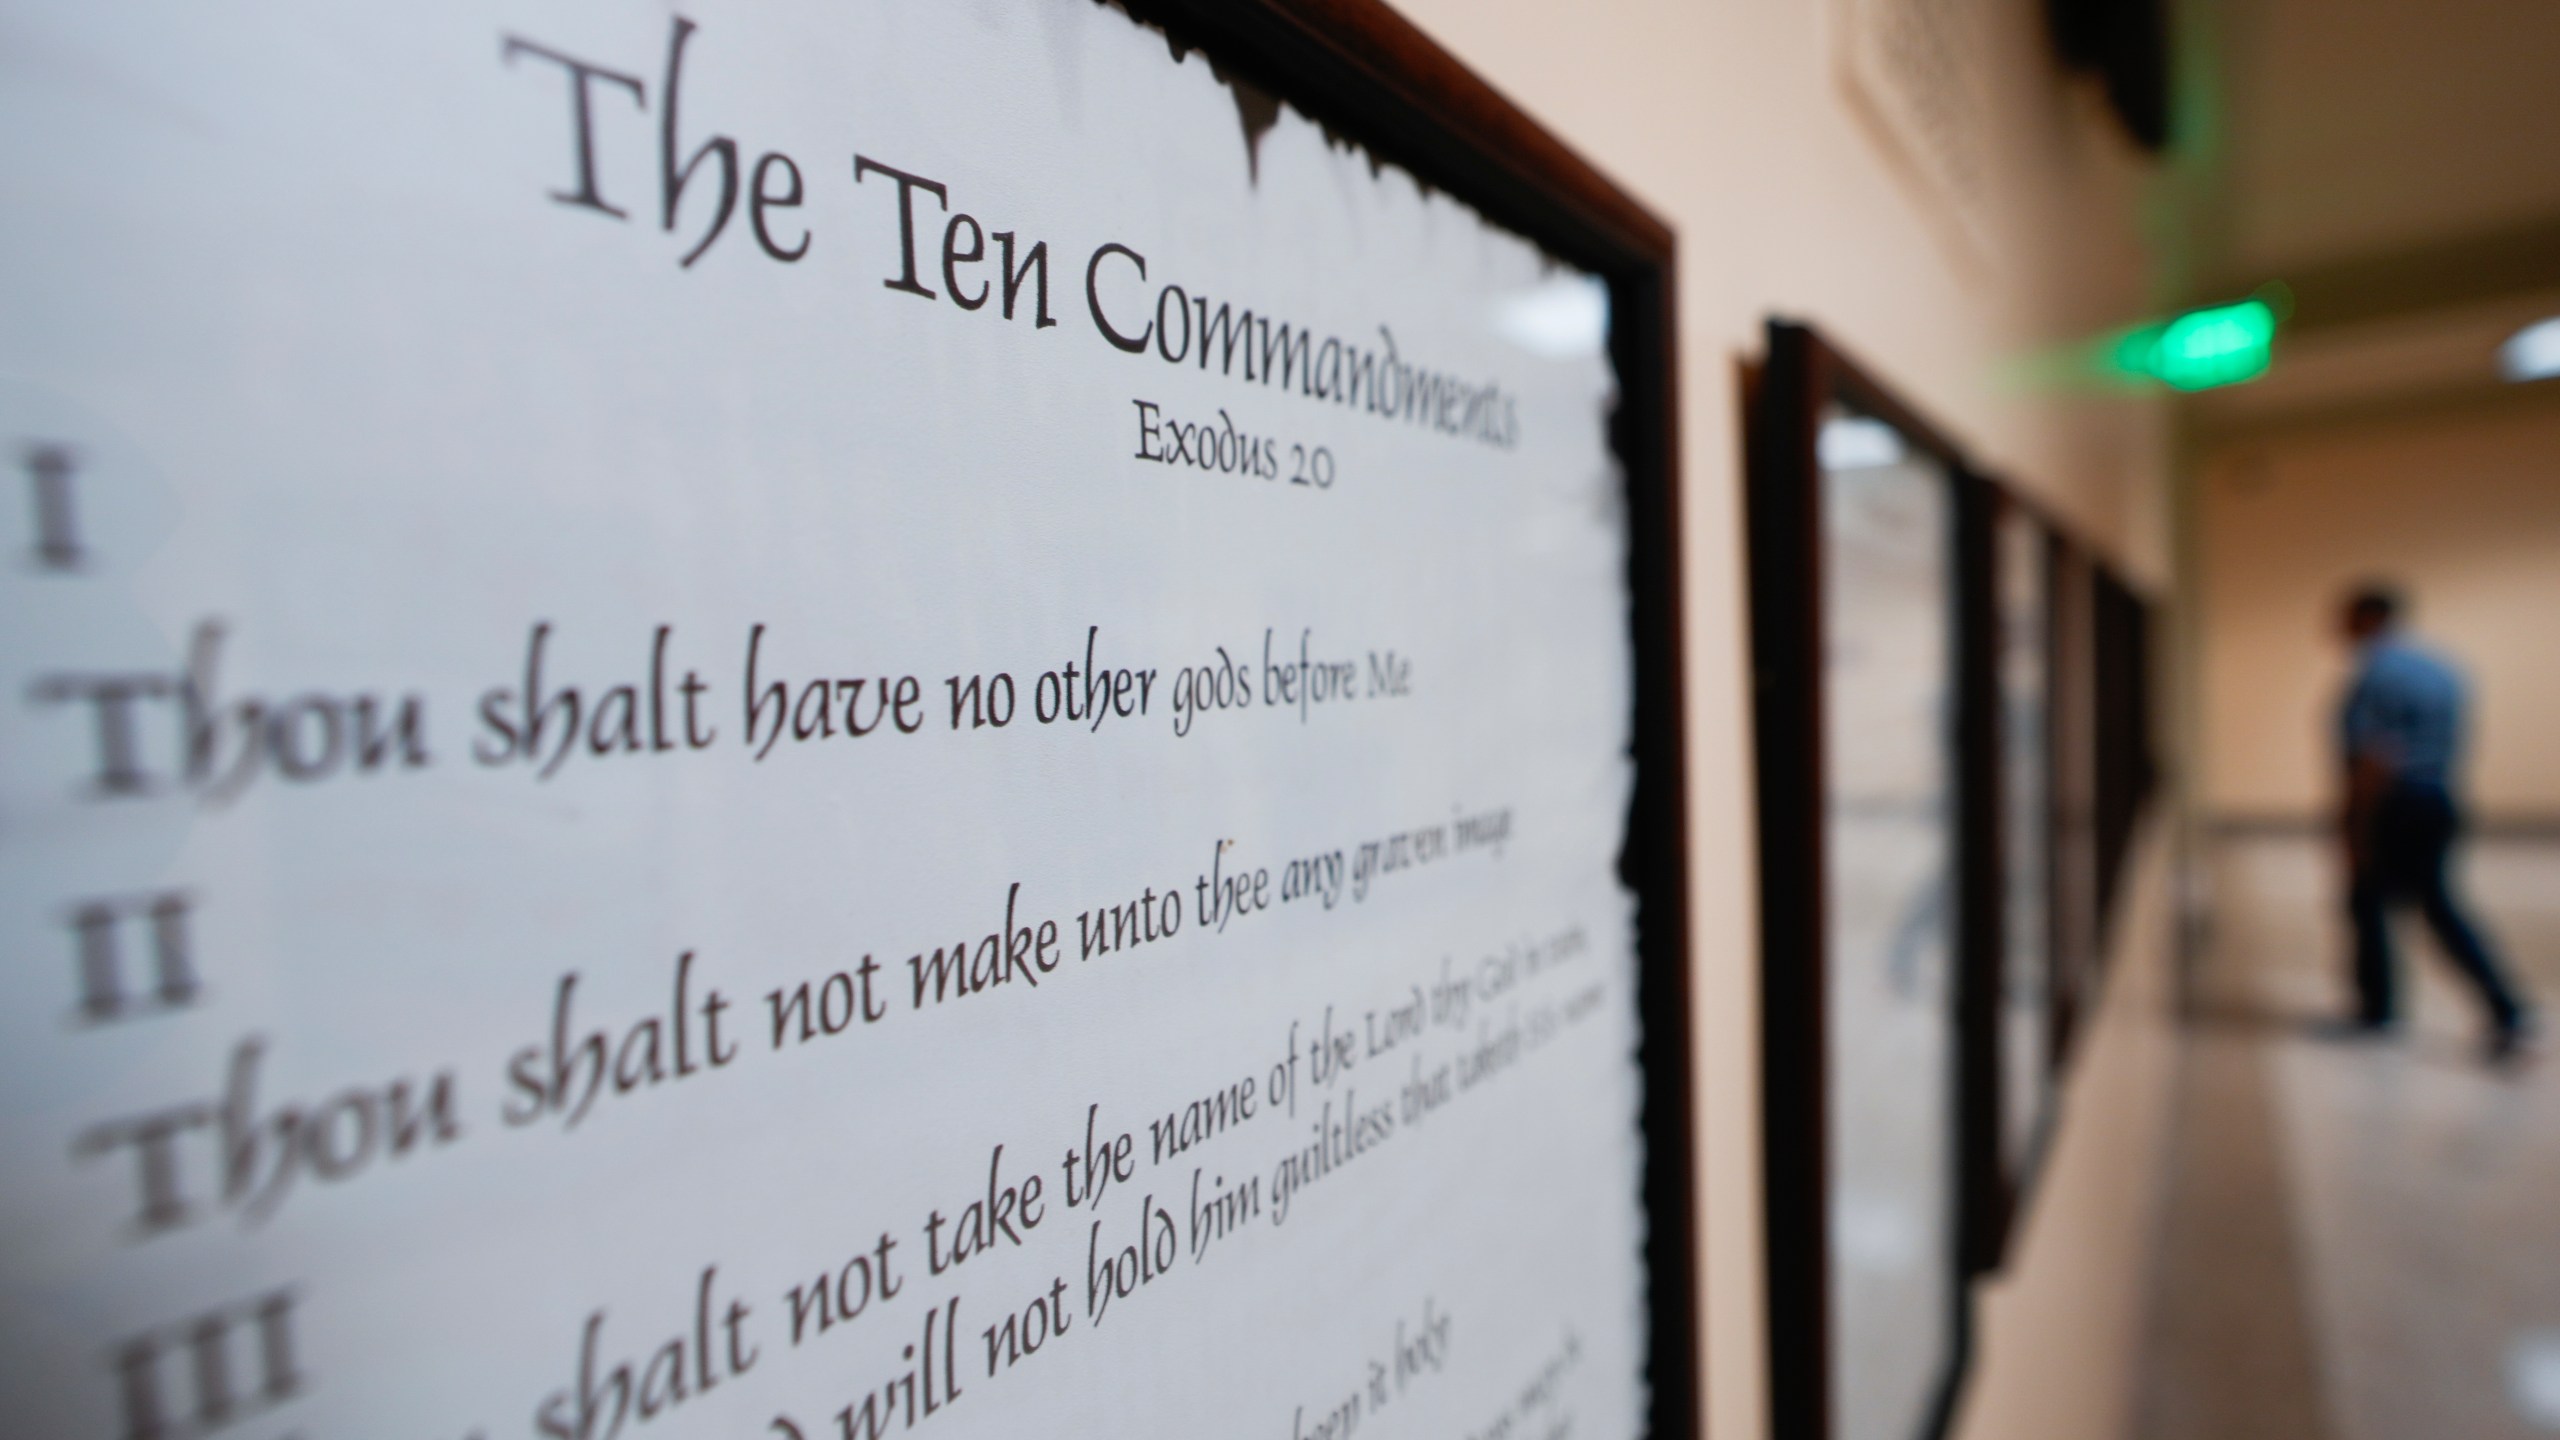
x=2404 y=710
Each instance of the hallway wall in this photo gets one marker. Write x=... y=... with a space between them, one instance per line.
x=2463 y=509
x=1734 y=122
x=2061 y=1327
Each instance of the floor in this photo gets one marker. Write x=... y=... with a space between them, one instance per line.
x=2362 y=1239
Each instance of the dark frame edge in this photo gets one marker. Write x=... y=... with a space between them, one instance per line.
x=1784 y=587
x=1655 y=862
x=1989 y=1199
x=1361 y=66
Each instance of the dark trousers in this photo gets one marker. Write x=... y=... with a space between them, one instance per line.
x=2405 y=857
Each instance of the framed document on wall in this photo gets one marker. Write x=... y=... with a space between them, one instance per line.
x=1854 y=512
x=2106 y=767
x=2127 y=766
x=2011 y=1068
x=826 y=719
x=2072 y=731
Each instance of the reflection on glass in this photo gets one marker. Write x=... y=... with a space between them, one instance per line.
x=1886 y=606
x=2026 y=838
x=1565 y=317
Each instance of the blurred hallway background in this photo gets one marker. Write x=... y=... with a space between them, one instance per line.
x=2360 y=1240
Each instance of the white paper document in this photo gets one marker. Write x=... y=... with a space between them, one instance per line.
x=793 y=719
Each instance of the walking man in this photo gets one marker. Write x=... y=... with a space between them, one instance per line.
x=2400 y=732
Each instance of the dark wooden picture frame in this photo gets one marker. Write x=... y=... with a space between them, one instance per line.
x=2126 y=759
x=1802 y=372
x=1999 y=1168
x=1370 y=75
x=2072 y=736
x=2104 y=633
x=2100 y=771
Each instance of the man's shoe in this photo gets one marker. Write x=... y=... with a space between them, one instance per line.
x=2511 y=1043
x=2355 y=1028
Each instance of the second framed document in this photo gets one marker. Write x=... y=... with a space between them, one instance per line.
x=1854 y=510
x=2012 y=1020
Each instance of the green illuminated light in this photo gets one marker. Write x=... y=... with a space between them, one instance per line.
x=2221 y=345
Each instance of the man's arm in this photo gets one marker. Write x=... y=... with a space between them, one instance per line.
x=2365 y=747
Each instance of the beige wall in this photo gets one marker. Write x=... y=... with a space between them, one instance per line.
x=1731 y=121
x=2061 y=1327
x=2463 y=508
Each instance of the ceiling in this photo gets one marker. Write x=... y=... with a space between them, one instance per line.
x=2396 y=164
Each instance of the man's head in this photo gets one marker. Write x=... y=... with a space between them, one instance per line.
x=2371 y=609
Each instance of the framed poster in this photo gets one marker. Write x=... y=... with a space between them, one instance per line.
x=1854 y=506
x=2072 y=740
x=2011 y=1077
x=814 y=720
x=2126 y=764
